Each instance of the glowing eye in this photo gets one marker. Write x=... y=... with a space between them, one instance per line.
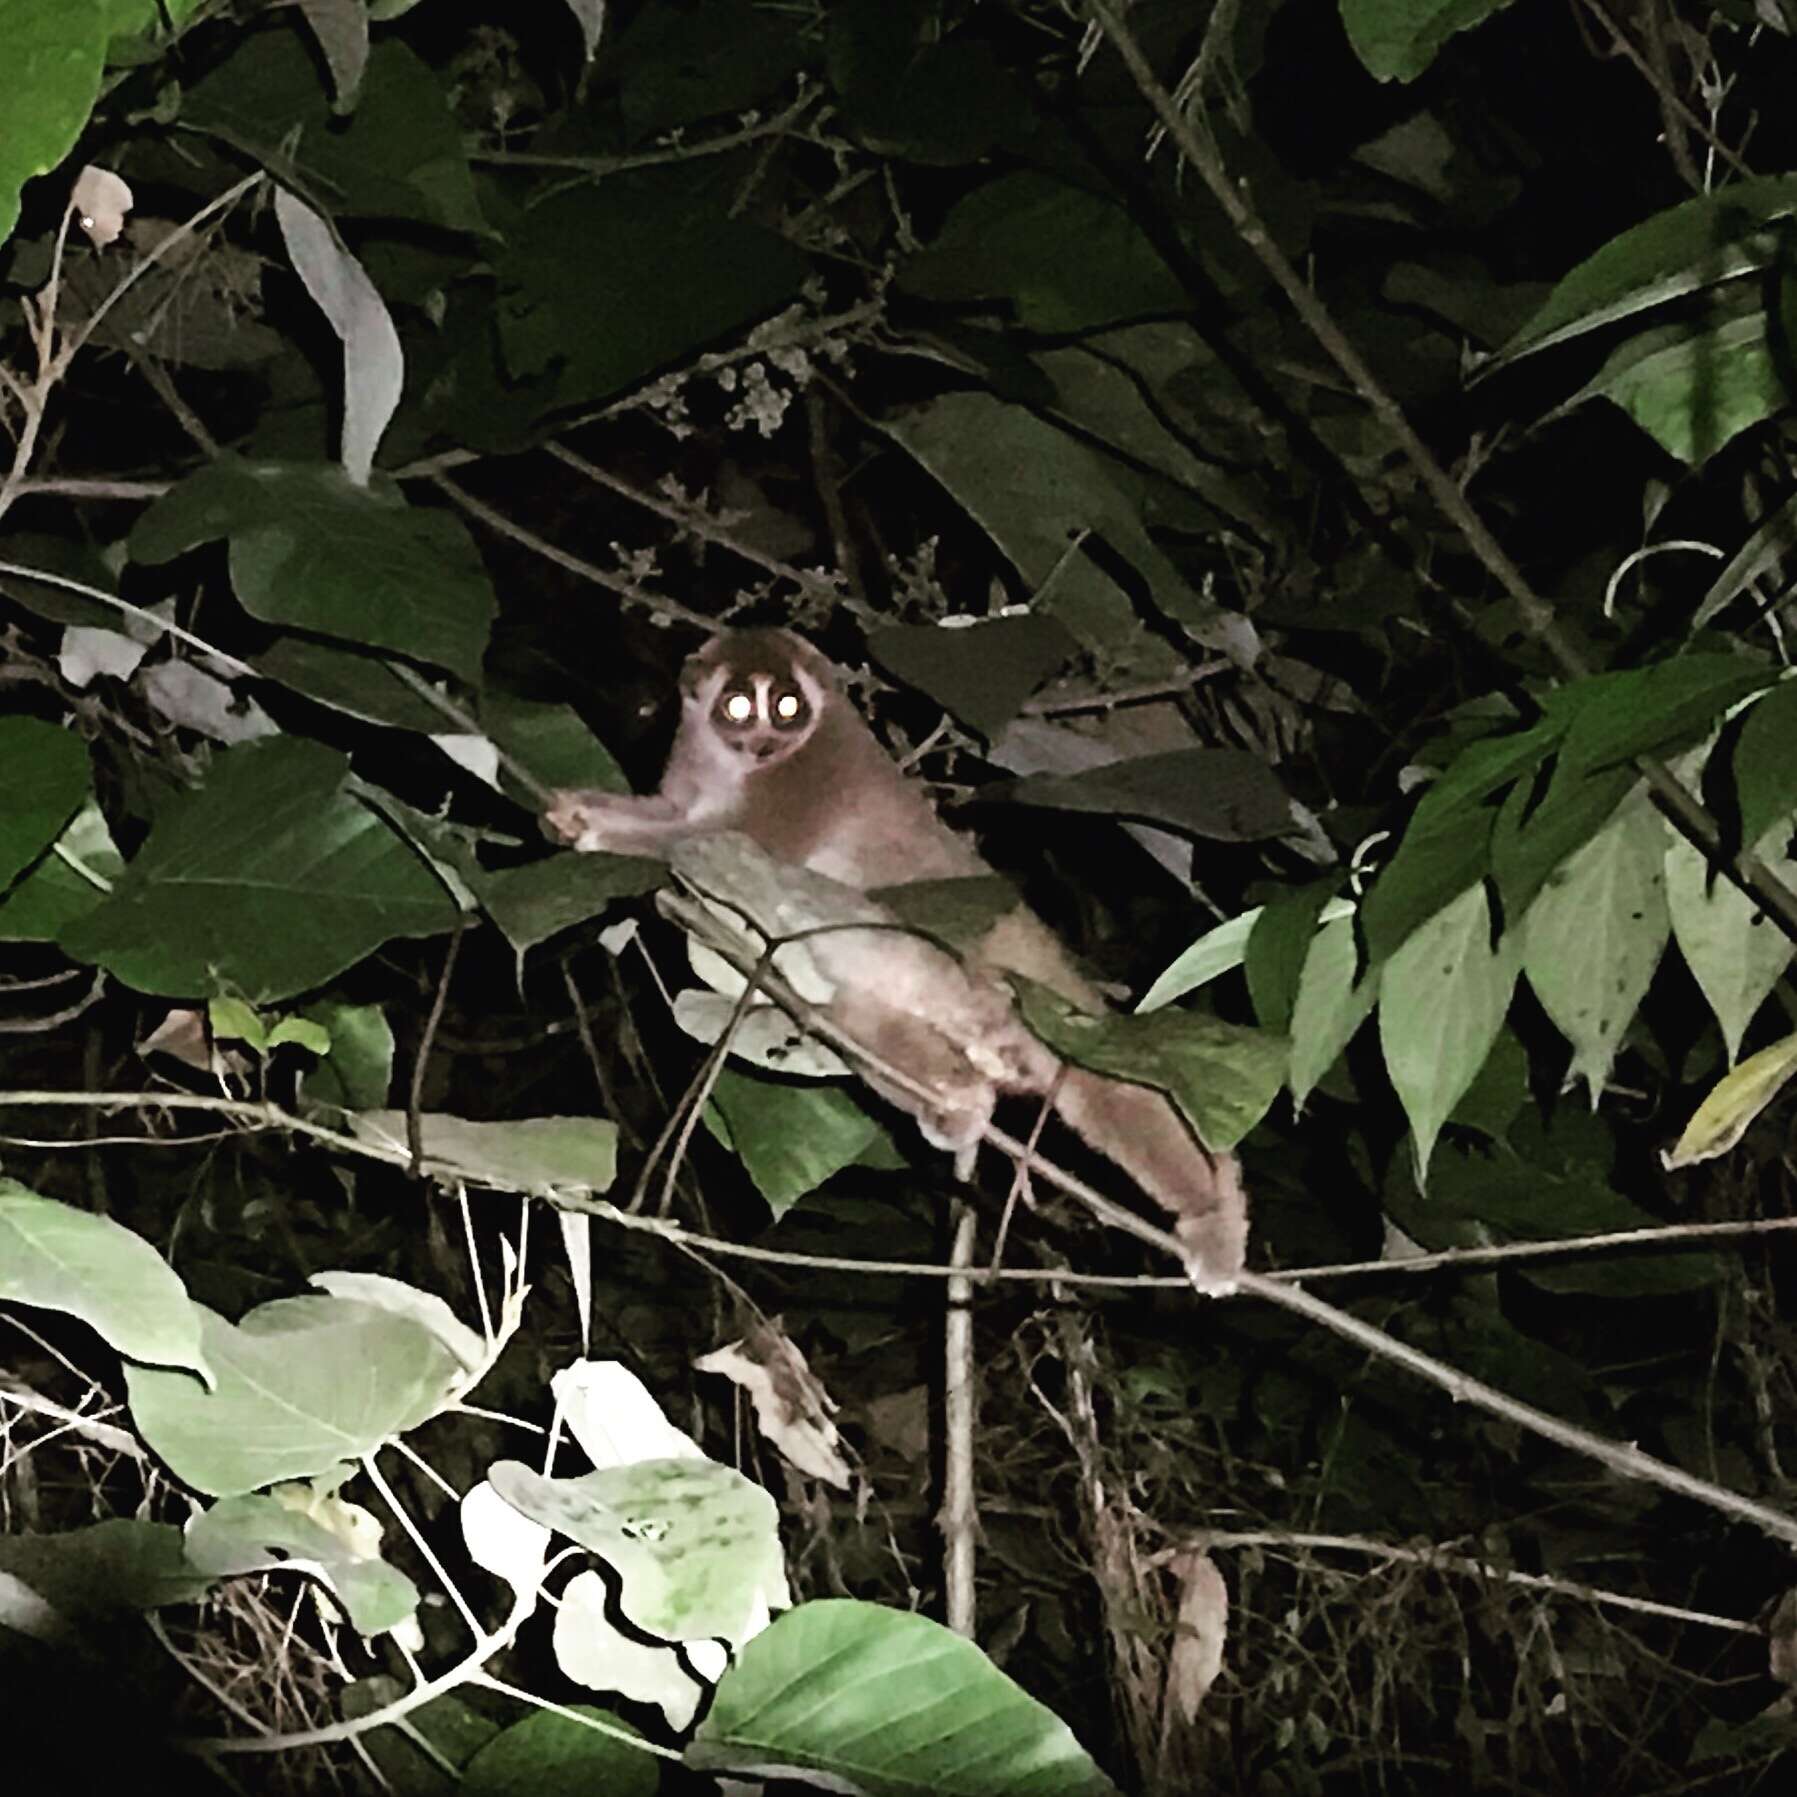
x=788 y=706
x=737 y=707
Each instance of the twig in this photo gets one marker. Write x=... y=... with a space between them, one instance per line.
x=698 y=522
x=613 y=583
x=958 y=1519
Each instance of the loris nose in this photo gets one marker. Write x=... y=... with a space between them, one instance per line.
x=762 y=750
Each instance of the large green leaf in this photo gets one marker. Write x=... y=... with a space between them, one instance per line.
x=1230 y=795
x=1442 y=1000
x=665 y=270
x=67 y=883
x=55 y=50
x=979 y=673
x=312 y=551
x=1033 y=489
x=399 y=156
x=1398 y=39
x=790 y=1139
x=888 y=1703
x=1712 y=238
x=303 y=1385
x=695 y=1545
x=1222 y=1076
x=265 y=882
x=262 y=1534
x=46 y=776
x=1008 y=241
x=91 y=1574
x=679 y=64
x=518 y=1154
x=1694 y=387
x=59 y=1258
x=1594 y=935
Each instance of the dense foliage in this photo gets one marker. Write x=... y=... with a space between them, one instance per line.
x=1313 y=488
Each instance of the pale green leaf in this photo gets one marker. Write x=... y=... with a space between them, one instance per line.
x=302 y=1386
x=1595 y=933
x=1330 y=1006
x=1441 y=1004
x=60 y=1258
x=1735 y=952
x=695 y=1545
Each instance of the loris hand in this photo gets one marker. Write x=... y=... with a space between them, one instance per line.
x=615 y=823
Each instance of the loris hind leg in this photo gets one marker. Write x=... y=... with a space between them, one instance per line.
x=1139 y=1129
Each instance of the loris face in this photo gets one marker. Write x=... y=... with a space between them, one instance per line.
x=759 y=705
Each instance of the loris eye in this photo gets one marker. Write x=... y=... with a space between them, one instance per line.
x=788 y=707
x=738 y=708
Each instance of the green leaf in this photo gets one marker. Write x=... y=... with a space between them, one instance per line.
x=1535 y=831
x=524 y=1154
x=1398 y=39
x=231 y=1020
x=666 y=270
x=312 y=551
x=790 y=1139
x=981 y=673
x=915 y=91
x=533 y=902
x=302 y=1386
x=55 y=54
x=1278 y=949
x=357 y=1069
x=1697 y=244
x=1442 y=1000
x=677 y=65
x=1764 y=761
x=1331 y=1005
x=1007 y=241
x=551 y=741
x=399 y=156
x=47 y=778
x=266 y=881
x=58 y=1258
x=91 y=1574
x=1447 y=844
x=365 y=686
x=1594 y=935
x=262 y=1534
x=695 y=1545
x=1735 y=953
x=1612 y=718
x=1222 y=1077
x=67 y=883
x=554 y=1752
x=1032 y=488
x=1485 y=1195
x=910 y=1708
x=1218 y=951
x=1228 y=795
x=1694 y=387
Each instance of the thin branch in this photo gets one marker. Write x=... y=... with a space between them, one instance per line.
x=1435 y=1559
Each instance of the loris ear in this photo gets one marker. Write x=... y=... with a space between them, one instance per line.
x=696 y=666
